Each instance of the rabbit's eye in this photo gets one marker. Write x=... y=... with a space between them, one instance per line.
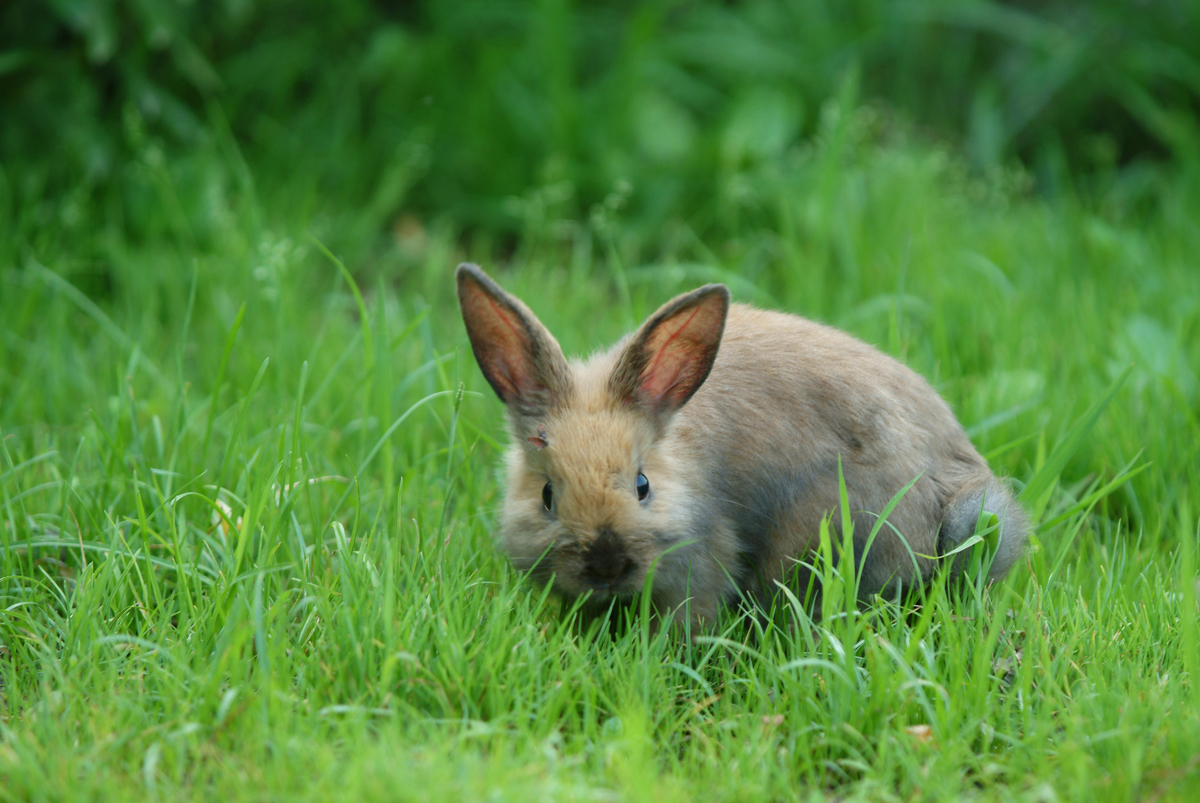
x=643 y=487
x=548 y=497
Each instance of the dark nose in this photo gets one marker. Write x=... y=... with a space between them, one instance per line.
x=606 y=563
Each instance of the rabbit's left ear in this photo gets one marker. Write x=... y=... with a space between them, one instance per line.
x=669 y=358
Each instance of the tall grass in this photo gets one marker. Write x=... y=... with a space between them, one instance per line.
x=248 y=499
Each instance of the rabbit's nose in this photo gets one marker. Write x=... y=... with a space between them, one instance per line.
x=606 y=562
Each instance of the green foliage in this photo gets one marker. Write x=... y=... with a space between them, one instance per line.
x=501 y=116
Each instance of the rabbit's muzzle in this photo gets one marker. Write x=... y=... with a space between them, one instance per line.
x=606 y=563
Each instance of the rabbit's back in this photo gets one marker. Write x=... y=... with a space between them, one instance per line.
x=787 y=398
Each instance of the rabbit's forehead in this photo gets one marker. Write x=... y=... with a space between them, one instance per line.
x=594 y=441
x=592 y=450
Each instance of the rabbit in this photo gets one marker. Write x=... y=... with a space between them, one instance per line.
x=705 y=447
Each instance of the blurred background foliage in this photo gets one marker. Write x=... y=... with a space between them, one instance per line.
x=376 y=120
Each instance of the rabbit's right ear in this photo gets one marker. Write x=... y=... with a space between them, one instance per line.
x=519 y=357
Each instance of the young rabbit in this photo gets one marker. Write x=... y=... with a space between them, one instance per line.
x=717 y=429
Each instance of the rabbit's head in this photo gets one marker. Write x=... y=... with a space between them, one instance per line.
x=598 y=488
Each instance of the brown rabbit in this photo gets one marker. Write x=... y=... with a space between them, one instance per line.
x=717 y=429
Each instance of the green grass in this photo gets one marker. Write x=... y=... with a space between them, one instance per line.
x=247 y=497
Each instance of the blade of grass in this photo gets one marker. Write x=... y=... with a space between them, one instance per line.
x=1038 y=488
x=212 y=404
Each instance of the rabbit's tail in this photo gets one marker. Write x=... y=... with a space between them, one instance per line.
x=976 y=506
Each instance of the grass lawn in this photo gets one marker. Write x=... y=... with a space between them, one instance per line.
x=249 y=478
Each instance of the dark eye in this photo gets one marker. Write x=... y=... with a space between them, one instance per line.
x=643 y=487
x=548 y=497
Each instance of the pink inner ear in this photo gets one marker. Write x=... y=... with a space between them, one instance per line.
x=683 y=348
x=501 y=344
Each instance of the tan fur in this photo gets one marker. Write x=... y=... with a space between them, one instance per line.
x=740 y=473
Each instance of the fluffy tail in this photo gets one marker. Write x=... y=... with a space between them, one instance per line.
x=985 y=498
